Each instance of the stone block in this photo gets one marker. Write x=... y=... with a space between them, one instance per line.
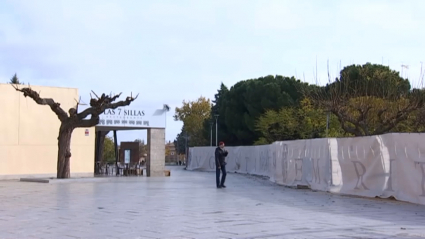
x=156 y=153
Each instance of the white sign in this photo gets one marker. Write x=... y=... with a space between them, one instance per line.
x=132 y=117
x=384 y=166
x=127 y=156
x=87 y=132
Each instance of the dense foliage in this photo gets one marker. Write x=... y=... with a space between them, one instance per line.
x=364 y=100
x=108 y=150
x=370 y=100
x=192 y=114
x=15 y=80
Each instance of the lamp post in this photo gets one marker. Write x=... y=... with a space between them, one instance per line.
x=186 y=149
x=211 y=125
x=216 y=129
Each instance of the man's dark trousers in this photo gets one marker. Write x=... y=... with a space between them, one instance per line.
x=217 y=175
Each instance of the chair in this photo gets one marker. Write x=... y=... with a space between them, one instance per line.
x=120 y=169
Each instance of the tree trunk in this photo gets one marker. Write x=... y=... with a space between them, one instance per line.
x=64 y=151
x=102 y=135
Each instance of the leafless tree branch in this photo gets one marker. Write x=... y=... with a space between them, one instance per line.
x=99 y=105
x=55 y=106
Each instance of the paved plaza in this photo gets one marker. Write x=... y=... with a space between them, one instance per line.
x=188 y=205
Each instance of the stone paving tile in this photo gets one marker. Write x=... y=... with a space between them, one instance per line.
x=187 y=205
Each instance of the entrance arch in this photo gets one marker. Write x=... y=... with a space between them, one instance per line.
x=129 y=118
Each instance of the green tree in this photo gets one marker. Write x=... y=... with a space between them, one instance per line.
x=180 y=142
x=277 y=126
x=369 y=99
x=313 y=120
x=193 y=115
x=414 y=124
x=207 y=125
x=108 y=150
x=303 y=121
x=371 y=80
x=15 y=80
x=364 y=100
x=218 y=108
x=240 y=107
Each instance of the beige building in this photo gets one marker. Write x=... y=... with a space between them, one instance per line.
x=28 y=135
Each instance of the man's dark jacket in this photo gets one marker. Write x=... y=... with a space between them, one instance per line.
x=220 y=155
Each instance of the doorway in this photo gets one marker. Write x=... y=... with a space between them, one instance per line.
x=114 y=158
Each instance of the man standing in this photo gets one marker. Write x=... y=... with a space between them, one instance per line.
x=220 y=164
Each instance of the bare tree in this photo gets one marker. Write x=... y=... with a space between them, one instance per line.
x=73 y=119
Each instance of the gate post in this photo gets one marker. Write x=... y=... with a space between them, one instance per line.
x=155 y=162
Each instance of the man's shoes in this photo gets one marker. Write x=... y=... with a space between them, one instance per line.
x=223 y=186
x=219 y=186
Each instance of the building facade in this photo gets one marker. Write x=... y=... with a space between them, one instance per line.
x=129 y=153
x=28 y=135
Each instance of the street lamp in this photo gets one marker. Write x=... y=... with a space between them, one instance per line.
x=211 y=126
x=216 y=129
x=186 y=137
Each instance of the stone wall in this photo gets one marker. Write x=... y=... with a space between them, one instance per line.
x=156 y=153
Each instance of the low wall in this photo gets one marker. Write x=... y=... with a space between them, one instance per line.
x=384 y=166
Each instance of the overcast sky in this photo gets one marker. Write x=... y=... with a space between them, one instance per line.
x=169 y=51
